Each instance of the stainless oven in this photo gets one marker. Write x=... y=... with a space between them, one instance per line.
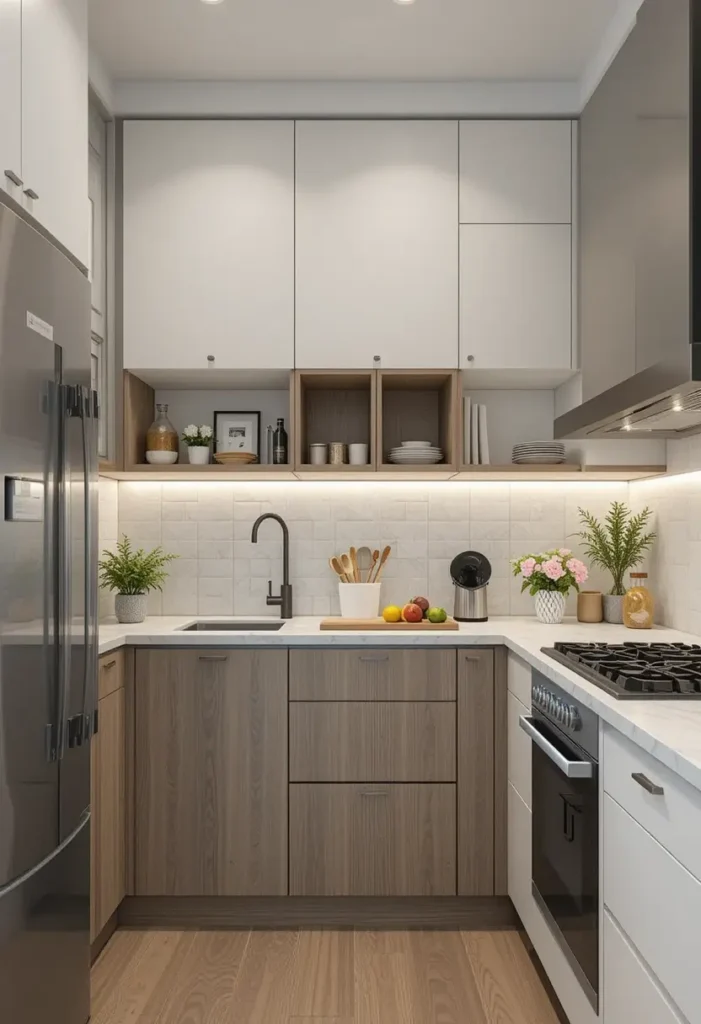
x=565 y=804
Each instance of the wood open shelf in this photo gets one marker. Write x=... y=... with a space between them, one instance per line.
x=334 y=406
x=418 y=405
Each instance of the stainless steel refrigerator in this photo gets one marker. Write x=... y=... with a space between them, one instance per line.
x=48 y=627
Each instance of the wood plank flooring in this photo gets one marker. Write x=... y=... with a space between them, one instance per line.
x=317 y=977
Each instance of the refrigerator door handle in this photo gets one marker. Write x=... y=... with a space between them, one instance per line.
x=66 y=410
x=52 y=473
x=88 y=414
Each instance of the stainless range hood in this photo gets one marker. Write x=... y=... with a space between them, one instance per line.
x=640 y=235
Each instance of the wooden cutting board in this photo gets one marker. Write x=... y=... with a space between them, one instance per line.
x=376 y=624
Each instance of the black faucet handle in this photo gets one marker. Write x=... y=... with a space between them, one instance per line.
x=272 y=599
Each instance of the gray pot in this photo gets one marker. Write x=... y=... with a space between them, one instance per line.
x=130 y=607
x=613 y=608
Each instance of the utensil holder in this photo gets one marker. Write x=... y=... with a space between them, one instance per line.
x=359 y=600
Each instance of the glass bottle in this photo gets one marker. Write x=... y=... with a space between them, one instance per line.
x=161 y=435
x=638 y=603
x=280 y=444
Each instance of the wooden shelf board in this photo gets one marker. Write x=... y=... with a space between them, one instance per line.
x=563 y=472
x=198 y=473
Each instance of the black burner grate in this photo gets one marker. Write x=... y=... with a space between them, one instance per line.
x=636 y=669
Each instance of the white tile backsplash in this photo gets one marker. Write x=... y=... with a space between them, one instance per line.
x=220 y=571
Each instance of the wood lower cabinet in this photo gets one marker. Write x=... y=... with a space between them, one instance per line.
x=372 y=840
x=368 y=674
x=211 y=772
x=108 y=798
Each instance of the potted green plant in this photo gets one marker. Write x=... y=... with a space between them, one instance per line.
x=617 y=544
x=197 y=440
x=132 y=574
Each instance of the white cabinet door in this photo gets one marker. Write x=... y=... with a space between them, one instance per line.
x=515 y=172
x=11 y=96
x=55 y=119
x=377 y=244
x=631 y=993
x=208 y=244
x=516 y=296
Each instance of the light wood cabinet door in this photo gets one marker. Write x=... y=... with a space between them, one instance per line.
x=410 y=741
x=11 y=93
x=367 y=675
x=376 y=244
x=55 y=119
x=372 y=840
x=516 y=297
x=208 y=245
x=515 y=172
x=211 y=773
x=108 y=805
x=476 y=789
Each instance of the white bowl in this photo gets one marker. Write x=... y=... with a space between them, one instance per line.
x=416 y=444
x=161 y=458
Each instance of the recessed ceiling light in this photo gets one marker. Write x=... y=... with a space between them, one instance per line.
x=403 y=2
x=212 y=1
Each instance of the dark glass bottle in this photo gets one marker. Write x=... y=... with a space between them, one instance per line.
x=280 y=444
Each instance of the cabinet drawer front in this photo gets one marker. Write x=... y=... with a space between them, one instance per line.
x=520 y=751
x=372 y=742
x=110 y=673
x=352 y=674
x=630 y=991
x=673 y=817
x=656 y=902
x=372 y=840
x=519 y=678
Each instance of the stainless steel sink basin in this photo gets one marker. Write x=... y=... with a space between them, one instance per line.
x=233 y=627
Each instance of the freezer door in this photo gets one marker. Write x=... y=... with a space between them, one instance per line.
x=44 y=938
x=29 y=452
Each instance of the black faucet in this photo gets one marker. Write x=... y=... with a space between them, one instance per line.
x=284 y=598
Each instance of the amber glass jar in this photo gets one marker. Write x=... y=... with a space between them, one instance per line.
x=162 y=435
x=638 y=603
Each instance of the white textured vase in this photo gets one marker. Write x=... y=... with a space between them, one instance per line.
x=130 y=607
x=550 y=606
x=198 y=455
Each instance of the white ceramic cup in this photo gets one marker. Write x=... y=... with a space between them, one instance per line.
x=358 y=454
x=359 y=600
x=318 y=454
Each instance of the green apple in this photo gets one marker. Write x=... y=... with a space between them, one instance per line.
x=437 y=615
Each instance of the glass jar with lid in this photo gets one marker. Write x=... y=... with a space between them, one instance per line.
x=638 y=603
x=161 y=439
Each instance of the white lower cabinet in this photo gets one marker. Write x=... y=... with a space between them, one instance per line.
x=631 y=994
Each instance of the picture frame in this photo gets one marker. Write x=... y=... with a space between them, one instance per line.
x=237 y=431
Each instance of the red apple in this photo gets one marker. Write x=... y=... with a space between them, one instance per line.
x=412 y=613
x=423 y=603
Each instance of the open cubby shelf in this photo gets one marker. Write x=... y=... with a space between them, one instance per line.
x=334 y=407
x=418 y=405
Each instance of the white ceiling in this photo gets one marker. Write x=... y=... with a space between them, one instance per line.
x=430 y=40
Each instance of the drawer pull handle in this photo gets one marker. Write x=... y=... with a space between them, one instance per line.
x=213 y=657
x=109 y=664
x=374 y=792
x=374 y=657
x=650 y=787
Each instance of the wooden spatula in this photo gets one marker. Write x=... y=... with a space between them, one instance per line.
x=375 y=556
x=338 y=569
x=354 y=562
x=347 y=567
x=383 y=558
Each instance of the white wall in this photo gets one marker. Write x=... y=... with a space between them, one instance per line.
x=220 y=572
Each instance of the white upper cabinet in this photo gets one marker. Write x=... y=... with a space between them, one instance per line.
x=55 y=119
x=11 y=97
x=516 y=297
x=376 y=244
x=208 y=244
x=515 y=172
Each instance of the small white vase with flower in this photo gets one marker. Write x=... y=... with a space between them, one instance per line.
x=549 y=577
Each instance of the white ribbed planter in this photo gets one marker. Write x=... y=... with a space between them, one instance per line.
x=550 y=607
x=130 y=607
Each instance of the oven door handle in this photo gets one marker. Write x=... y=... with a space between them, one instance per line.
x=572 y=769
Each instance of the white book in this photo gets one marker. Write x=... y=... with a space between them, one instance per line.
x=467 y=420
x=483 y=439
x=474 y=435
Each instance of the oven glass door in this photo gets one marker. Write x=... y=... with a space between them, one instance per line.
x=566 y=852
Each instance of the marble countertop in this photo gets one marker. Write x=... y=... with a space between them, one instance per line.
x=669 y=730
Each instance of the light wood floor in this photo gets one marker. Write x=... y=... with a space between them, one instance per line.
x=317 y=977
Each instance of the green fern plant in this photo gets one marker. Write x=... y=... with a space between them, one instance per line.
x=619 y=543
x=133 y=572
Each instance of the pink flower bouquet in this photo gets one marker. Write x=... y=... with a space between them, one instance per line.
x=556 y=570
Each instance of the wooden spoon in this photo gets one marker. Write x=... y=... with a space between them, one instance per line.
x=338 y=569
x=365 y=562
x=375 y=556
x=383 y=558
x=354 y=562
x=347 y=567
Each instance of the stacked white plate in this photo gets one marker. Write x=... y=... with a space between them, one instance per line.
x=542 y=453
x=416 y=453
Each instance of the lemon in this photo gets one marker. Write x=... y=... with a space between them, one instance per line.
x=392 y=613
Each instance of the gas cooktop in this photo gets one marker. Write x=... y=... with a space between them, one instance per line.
x=636 y=671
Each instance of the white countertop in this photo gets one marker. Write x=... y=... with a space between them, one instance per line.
x=670 y=730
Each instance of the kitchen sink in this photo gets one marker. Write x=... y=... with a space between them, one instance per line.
x=233 y=627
